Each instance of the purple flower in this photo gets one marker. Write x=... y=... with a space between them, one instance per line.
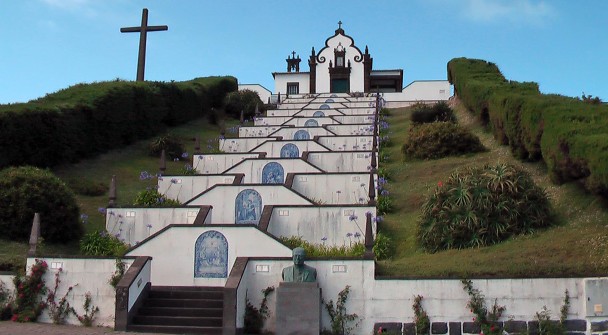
x=173 y=181
x=324 y=239
x=221 y=137
x=185 y=155
x=378 y=219
x=101 y=210
x=111 y=213
x=384 y=193
x=352 y=217
x=349 y=235
x=117 y=235
x=200 y=157
x=149 y=225
x=357 y=235
x=144 y=175
x=188 y=167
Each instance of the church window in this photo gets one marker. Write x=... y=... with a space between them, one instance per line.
x=293 y=88
x=340 y=61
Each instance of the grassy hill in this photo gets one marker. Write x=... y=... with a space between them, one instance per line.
x=574 y=248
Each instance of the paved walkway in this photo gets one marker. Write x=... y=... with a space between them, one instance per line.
x=15 y=328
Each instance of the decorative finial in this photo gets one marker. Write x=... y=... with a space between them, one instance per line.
x=34 y=235
x=293 y=54
x=112 y=195
x=340 y=24
x=162 y=166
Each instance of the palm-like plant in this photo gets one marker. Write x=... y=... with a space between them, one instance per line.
x=482 y=206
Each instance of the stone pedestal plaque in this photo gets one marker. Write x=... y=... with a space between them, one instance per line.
x=298 y=309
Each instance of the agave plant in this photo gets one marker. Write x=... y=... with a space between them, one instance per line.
x=482 y=206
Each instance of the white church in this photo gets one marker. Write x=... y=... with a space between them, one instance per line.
x=341 y=67
x=306 y=169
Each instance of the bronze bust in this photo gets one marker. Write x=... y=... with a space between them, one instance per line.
x=299 y=272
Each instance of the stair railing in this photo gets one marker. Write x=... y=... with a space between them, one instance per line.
x=131 y=291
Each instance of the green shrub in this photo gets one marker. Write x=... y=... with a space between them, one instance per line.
x=567 y=133
x=87 y=187
x=384 y=204
x=440 y=139
x=151 y=198
x=27 y=190
x=355 y=249
x=173 y=146
x=482 y=206
x=383 y=246
x=87 y=119
x=439 y=112
x=100 y=243
x=244 y=100
x=5 y=302
x=255 y=317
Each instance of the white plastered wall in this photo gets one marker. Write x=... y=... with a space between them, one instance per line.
x=288 y=133
x=333 y=188
x=351 y=129
x=322 y=225
x=241 y=144
x=346 y=143
x=341 y=161
x=301 y=121
x=356 y=74
x=133 y=225
x=257 y=131
x=183 y=188
x=273 y=148
x=252 y=168
x=84 y=275
x=173 y=252
x=392 y=300
x=222 y=199
x=218 y=163
x=281 y=80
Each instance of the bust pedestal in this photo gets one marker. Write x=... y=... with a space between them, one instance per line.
x=298 y=309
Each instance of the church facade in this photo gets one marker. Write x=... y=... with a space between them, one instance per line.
x=339 y=67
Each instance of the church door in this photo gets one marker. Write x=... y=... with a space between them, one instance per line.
x=340 y=86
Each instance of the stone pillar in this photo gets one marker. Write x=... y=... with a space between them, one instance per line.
x=298 y=309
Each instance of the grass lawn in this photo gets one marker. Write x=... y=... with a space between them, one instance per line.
x=574 y=248
x=126 y=164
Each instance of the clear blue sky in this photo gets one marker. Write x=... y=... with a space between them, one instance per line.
x=51 y=44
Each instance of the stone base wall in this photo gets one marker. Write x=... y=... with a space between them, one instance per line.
x=572 y=327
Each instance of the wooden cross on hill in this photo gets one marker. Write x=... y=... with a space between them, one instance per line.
x=143 y=32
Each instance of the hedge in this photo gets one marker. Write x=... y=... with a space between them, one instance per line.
x=569 y=135
x=87 y=119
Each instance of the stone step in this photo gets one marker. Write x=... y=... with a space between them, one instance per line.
x=174 y=329
x=194 y=294
x=188 y=303
x=178 y=321
x=178 y=311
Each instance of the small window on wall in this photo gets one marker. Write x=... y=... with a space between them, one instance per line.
x=293 y=88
